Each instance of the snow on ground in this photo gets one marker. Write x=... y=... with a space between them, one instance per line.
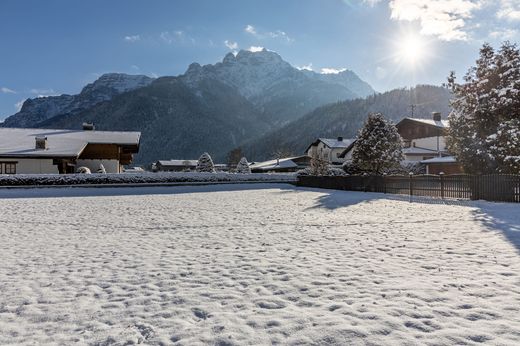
x=255 y=264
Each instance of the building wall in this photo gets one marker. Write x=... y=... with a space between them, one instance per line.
x=325 y=153
x=430 y=143
x=111 y=166
x=446 y=168
x=32 y=166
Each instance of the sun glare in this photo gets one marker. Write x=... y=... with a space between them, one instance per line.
x=411 y=50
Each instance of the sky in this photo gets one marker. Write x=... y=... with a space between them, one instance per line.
x=56 y=47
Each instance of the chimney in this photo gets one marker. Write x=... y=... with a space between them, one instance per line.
x=88 y=127
x=436 y=116
x=340 y=139
x=41 y=143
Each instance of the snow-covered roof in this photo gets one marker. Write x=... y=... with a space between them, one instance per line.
x=437 y=123
x=334 y=143
x=178 y=162
x=275 y=164
x=18 y=142
x=444 y=159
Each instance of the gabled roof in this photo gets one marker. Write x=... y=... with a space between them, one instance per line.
x=348 y=149
x=332 y=143
x=440 y=124
x=18 y=142
x=286 y=162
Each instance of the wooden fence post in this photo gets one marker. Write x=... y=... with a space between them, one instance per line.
x=384 y=182
x=411 y=185
x=441 y=175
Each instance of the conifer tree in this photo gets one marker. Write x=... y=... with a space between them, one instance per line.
x=484 y=132
x=378 y=147
x=205 y=164
x=243 y=166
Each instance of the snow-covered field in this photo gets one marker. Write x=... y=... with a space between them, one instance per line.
x=255 y=264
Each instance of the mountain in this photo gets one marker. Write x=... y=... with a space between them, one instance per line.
x=37 y=110
x=346 y=118
x=175 y=120
x=280 y=91
x=214 y=107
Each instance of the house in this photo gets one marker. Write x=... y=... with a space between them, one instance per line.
x=329 y=150
x=175 y=165
x=44 y=151
x=288 y=164
x=425 y=142
x=423 y=138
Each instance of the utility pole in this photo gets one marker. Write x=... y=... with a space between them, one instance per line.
x=412 y=107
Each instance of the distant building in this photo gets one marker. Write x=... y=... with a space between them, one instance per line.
x=175 y=165
x=44 y=151
x=329 y=149
x=288 y=164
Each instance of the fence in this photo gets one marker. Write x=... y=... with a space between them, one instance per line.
x=503 y=188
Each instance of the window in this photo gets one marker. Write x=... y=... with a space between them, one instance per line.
x=10 y=168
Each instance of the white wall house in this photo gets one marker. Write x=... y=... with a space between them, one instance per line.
x=423 y=138
x=44 y=151
x=329 y=149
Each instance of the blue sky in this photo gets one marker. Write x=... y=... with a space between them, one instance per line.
x=57 y=46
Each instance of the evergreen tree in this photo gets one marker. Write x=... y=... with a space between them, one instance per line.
x=205 y=164
x=485 y=122
x=243 y=166
x=378 y=147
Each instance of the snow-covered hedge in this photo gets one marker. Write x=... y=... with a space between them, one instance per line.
x=144 y=178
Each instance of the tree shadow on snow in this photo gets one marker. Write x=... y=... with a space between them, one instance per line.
x=499 y=217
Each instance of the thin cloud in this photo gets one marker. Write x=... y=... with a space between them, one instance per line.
x=331 y=70
x=277 y=34
x=6 y=90
x=173 y=36
x=255 y=49
x=231 y=45
x=250 y=29
x=445 y=19
x=18 y=105
x=307 y=67
x=509 y=9
x=43 y=92
x=132 y=38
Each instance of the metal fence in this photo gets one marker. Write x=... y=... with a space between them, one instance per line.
x=495 y=187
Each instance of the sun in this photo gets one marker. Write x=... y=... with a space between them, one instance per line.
x=410 y=50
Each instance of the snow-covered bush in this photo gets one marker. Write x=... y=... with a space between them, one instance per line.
x=243 y=166
x=205 y=164
x=101 y=169
x=484 y=124
x=378 y=147
x=329 y=171
x=83 y=170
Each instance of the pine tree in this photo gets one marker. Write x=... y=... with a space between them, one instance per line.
x=205 y=164
x=243 y=166
x=378 y=147
x=484 y=124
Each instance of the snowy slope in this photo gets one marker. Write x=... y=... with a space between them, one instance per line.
x=255 y=266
